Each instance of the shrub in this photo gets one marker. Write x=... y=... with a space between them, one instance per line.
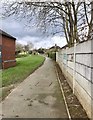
x=30 y=52
x=21 y=55
x=52 y=55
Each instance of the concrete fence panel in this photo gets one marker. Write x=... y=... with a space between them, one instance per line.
x=76 y=64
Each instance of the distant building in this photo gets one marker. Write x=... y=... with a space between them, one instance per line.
x=7 y=50
x=54 y=48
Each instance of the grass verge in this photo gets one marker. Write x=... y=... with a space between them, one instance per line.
x=24 y=67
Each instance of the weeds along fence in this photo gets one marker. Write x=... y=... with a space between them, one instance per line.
x=77 y=65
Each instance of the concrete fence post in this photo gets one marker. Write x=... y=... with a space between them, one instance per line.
x=91 y=32
x=56 y=56
x=92 y=11
x=91 y=60
x=74 y=66
x=66 y=62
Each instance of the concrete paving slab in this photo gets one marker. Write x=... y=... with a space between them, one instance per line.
x=38 y=96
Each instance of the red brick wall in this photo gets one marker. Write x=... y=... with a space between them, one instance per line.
x=0 y=39
x=9 y=64
x=8 y=52
x=0 y=51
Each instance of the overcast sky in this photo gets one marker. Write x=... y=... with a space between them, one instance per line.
x=23 y=34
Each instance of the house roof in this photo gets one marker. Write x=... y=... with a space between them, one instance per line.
x=64 y=46
x=53 y=47
x=6 y=34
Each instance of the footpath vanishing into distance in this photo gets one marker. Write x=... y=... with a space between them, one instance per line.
x=38 y=96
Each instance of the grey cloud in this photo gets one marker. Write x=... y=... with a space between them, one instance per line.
x=24 y=34
x=19 y=29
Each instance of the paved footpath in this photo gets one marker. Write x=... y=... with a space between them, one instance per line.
x=38 y=96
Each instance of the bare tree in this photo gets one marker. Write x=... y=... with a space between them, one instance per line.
x=19 y=48
x=30 y=45
x=71 y=19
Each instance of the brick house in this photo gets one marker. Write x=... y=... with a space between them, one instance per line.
x=7 y=50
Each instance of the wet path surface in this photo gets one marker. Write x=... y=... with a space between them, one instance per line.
x=39 y=96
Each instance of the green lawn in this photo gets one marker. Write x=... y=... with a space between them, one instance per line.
x=24 y=67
